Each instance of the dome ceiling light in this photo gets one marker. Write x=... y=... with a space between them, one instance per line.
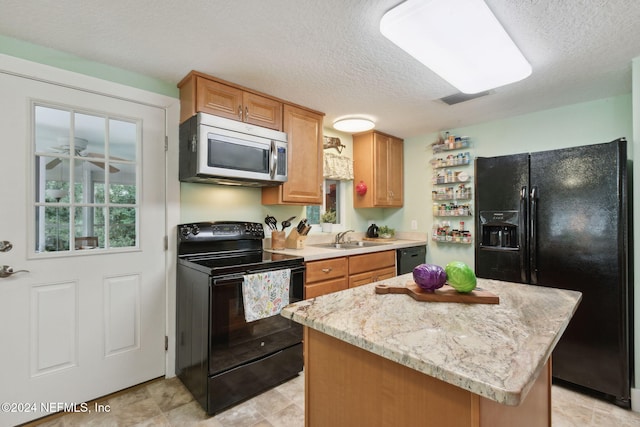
x=460 y=40
x=353 y=124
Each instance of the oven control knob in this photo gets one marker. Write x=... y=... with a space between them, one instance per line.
x=185 y=230
x=195 y=230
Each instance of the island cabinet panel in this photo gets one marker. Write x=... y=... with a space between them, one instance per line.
x=326 y=276
x=304 y=182
x=347 y=386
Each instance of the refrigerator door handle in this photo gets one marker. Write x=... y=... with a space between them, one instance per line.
x=522 y=234
x=533 y=243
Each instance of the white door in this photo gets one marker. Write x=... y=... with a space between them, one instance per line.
x=82 y=203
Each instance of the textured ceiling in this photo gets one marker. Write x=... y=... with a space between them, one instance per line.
x=329 y=54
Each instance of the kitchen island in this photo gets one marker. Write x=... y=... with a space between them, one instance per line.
x=389 y=360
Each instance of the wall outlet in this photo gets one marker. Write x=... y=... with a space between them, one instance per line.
x=414 y=224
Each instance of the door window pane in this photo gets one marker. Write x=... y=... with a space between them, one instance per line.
x=122 y=227
x=78 y=156
x=55 y=233
x=89 y=132
x=51 y=130
x=122 y=137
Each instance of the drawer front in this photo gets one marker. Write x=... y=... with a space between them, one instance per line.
x=326 y=269
x=365 y=262
x=326 y=287
x=371 y=276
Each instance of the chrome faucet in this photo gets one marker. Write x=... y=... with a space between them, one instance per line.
x=340 y=236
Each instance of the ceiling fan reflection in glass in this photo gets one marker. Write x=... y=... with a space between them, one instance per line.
x=79 y=149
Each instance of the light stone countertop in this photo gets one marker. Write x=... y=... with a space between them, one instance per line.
x=494 y=350
x=313 y=253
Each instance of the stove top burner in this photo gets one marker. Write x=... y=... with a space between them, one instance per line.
x=229 y=247
x=229 y=263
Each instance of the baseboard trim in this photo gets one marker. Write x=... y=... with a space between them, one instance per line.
x=635 y=399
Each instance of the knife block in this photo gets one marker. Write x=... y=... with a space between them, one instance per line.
x=295 y=240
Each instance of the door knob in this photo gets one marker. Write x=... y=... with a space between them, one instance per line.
x=8 y=271
x=5 y=246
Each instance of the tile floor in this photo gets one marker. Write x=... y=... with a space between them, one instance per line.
x=167 y=403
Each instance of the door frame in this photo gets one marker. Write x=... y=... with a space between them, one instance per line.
x=171 y=106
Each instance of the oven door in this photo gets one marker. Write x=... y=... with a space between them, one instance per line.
x=234 y=342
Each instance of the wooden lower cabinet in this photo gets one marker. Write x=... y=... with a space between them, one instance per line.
x=371 y=276
x=326 y=276
x=347 y=386
x=313 y=290
x=337 y=274
x=360 y=267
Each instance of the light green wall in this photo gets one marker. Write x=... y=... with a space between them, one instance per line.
x=66 y=61
x=579 y=124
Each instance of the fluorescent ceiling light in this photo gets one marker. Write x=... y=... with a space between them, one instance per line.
x=353 y=125
x=460 y=40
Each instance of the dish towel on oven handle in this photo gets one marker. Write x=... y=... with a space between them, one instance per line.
x=265 y=294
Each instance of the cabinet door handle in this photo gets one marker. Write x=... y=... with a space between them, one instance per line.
x=246 y=113
x=240 y=112
x=327 y=270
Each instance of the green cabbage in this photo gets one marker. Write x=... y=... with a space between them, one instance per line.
x=460 y=276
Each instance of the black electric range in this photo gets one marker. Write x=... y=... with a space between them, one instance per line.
x=220 y=357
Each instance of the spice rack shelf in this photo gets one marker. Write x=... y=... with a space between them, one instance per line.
x=440 y=239
x=461 y=192
x=451 y=209
x=461 y=159
x=454 y=179
x=452 y=201
x=451 y=143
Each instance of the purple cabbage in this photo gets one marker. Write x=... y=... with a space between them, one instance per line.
x=429 y=276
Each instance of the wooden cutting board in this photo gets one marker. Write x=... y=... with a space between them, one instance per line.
x=444 y=294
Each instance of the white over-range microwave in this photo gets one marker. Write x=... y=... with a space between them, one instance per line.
x=218 y=150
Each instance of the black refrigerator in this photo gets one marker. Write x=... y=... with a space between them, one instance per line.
x=560 y=219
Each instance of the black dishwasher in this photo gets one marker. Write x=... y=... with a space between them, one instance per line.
x=408 y=258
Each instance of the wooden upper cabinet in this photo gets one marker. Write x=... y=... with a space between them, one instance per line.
x=200 y=93
x=378 y=162
x=218 y=99
x=304 y=183
x=262 y=111
x=203 y=93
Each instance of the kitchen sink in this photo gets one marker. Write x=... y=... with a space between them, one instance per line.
x=349 y=245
